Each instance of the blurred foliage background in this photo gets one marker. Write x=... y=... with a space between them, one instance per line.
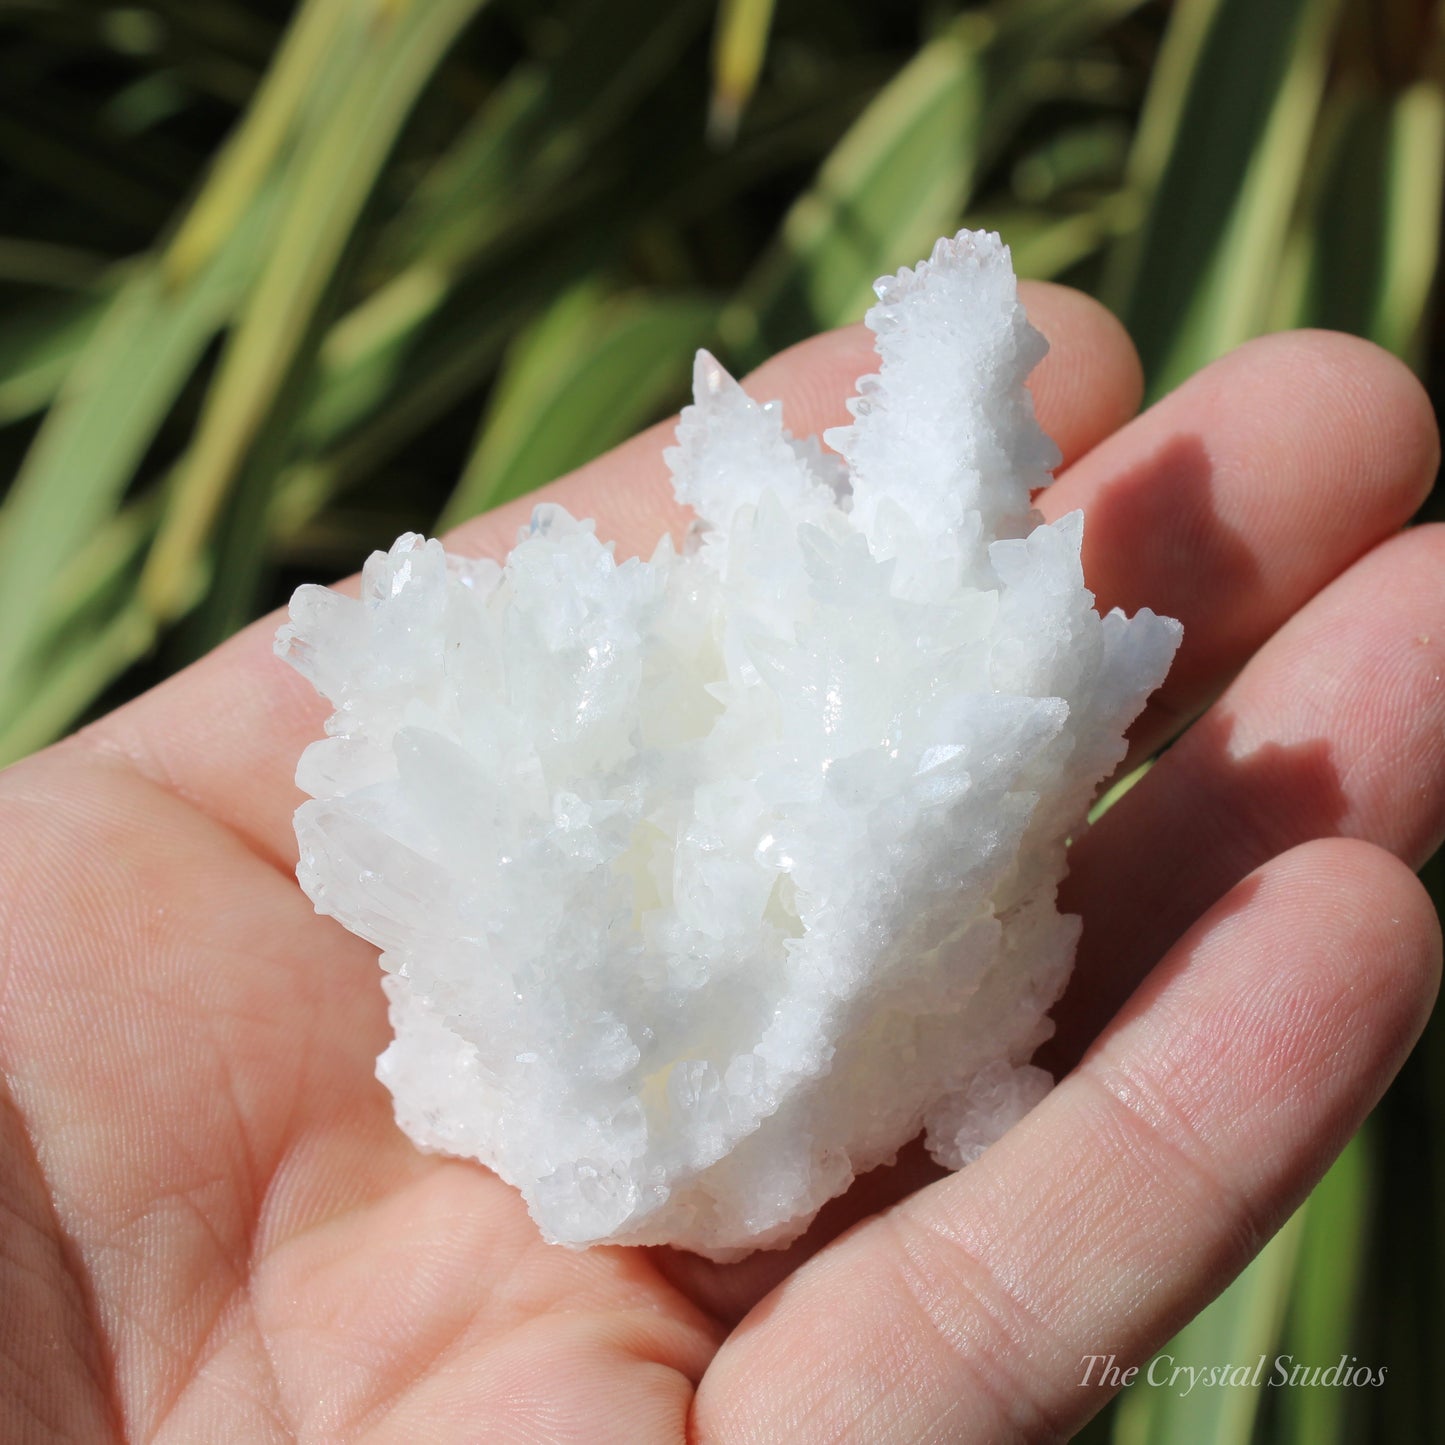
x=280 y=281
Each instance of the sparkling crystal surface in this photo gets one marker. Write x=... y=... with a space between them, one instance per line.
x=704 y=882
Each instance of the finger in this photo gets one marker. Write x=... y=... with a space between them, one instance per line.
x=1333 y=728
x=1126 y=1200
x=1236 y=498
x=227 y=732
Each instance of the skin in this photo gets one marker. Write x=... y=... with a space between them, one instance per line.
x=211 y=1230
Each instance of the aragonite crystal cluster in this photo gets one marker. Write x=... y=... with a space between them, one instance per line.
x=703 y=883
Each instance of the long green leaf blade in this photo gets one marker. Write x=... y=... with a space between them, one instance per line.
x=112 y=402
x=249 y=155
x=1220 y=159
x=334 y=176
x=1241 y=1328
x=39 y=345
x=1322 y=1311
x=585 y=377
x=740 y=45
x=893 y=184
x=905 y=170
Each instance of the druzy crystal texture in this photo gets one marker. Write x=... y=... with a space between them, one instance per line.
x=703 y=883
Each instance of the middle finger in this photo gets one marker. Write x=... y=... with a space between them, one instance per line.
x=1233 y=500
x=1332 y=730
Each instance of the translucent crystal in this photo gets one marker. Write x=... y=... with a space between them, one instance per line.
x=704 y=883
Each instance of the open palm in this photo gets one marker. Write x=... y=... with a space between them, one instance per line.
x=210 y=1229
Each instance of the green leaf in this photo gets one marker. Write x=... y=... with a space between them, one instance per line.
x=113 y=400
x=1242 y=1328
x=893 y=184
x=1034 y=30
x=332 y=175
x=40 y=263
x=1323 y=1308
x=1416 y=167
x=904 y=171
x=1118 y=789
x=537 y=131
x=1219 y=161
x=40 y=343
x=588 y=374
x=1365 y=253
x=373 y=399
x=518 y=168
x=249 y=155
x=78 y=676
x=740 y=45
x=1044 y=245
x=1073 y=156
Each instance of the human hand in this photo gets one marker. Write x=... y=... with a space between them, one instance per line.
x=211 y=1230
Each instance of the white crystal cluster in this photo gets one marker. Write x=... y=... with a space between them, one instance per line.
x=703 y=883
